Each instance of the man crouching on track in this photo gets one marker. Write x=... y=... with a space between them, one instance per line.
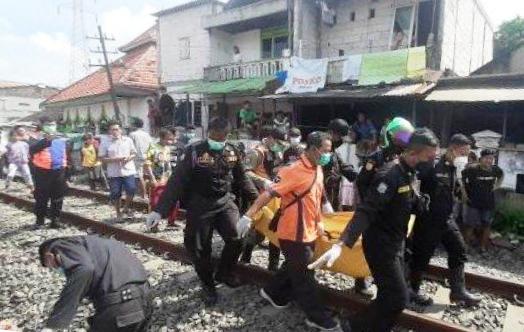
x=104 y=271
x=301 y=188
x=383 y=219
x=203 y=180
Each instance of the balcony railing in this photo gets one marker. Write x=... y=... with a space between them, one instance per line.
x=244 y=70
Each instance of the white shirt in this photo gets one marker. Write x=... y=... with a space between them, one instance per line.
x=142 y=140
x=119 y=148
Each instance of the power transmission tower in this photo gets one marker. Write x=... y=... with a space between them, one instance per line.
x=102 y=39
x=78 y=53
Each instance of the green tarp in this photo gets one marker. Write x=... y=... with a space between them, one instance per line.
x=392 y=66
x=223 y=87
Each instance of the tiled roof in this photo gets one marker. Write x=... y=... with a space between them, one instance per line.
x=136 y=69
x=149 y=36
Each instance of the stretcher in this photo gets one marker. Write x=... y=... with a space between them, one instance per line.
x=352 y=261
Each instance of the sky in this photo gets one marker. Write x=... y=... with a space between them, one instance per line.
x=36 y=36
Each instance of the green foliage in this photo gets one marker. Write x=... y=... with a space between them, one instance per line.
x=509 y=217
x=509 y=37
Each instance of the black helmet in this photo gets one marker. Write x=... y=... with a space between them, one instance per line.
x=339 y=127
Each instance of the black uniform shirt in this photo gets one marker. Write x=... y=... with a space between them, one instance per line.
x=480 y=183
x=336 y=169
x=208 y=174
x=94 y=267
x=386 y=208
x=440 y=183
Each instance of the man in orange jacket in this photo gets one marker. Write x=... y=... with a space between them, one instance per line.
x=301 y=187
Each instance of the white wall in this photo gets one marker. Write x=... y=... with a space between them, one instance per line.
x=463 y=48
x=363 y=35
x=221 y=47
x=249 y=44
x=13 y=108
x=178 y=25
x=129 y=107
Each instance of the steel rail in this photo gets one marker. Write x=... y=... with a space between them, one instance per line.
x=336 y=299
x=504 y=288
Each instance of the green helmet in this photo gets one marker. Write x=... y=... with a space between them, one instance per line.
x=398 y=133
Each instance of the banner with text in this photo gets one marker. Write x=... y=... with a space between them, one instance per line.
x=305 y=75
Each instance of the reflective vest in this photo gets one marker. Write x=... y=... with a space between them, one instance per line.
x=52 y=157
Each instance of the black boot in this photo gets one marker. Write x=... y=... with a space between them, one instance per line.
x=40 y=222
x=415 y=296
x=54 y=223
x=209 y=295
x=362 y=287
x=459 y=294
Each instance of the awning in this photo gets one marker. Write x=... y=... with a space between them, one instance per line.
x=484 y=94
x=364 y=93
x=223 y=87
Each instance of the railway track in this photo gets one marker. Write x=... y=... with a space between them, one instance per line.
x=339 y=300
x=507 y=289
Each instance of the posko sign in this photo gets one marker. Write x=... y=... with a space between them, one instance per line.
x=305 y=75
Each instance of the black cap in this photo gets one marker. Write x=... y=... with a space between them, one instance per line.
x=339 y=126
x=487 y=152
x=294 y=132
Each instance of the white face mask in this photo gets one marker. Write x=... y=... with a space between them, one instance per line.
x=295 y=140
x=460 y=164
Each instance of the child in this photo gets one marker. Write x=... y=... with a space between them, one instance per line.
x=18 y=158
x=90 y=162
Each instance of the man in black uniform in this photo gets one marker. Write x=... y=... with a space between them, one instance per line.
x=383 y=219
x=439 y=225
x=104 y=271
x=204 y=180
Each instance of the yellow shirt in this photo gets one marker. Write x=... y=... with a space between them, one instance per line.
x=89 y=158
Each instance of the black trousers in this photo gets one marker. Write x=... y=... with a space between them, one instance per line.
x=256 y=238
x=294 y=281
x=198 y=236
x=130 y=316
x=428 y=234
x=50 y=185
x=387 y=269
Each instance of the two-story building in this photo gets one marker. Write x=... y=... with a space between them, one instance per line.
x=217 y=55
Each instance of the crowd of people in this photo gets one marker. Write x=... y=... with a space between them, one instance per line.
x=223 y=187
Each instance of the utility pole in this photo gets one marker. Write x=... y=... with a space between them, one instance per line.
x=102 y=39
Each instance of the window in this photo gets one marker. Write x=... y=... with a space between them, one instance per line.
x=341 y=52
x=372 y=13
x=402 y=30
x=352 y=16
x=185 y=46
x=23 y=104
x=274 y=42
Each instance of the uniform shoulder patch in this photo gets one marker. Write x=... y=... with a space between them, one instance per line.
x=404 y=189
x=382 y=188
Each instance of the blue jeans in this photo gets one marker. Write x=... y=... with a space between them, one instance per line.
x=125 y=183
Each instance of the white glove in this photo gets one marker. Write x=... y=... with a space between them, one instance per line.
x=328 y=258
x=152 y=220
x=243 y=226
x=327 y=208
x=267 y=184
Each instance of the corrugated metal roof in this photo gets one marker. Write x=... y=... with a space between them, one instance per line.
x=418 y=89
x=484 y=94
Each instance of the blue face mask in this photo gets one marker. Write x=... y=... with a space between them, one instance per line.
x=325 y=158
x=216 y=145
